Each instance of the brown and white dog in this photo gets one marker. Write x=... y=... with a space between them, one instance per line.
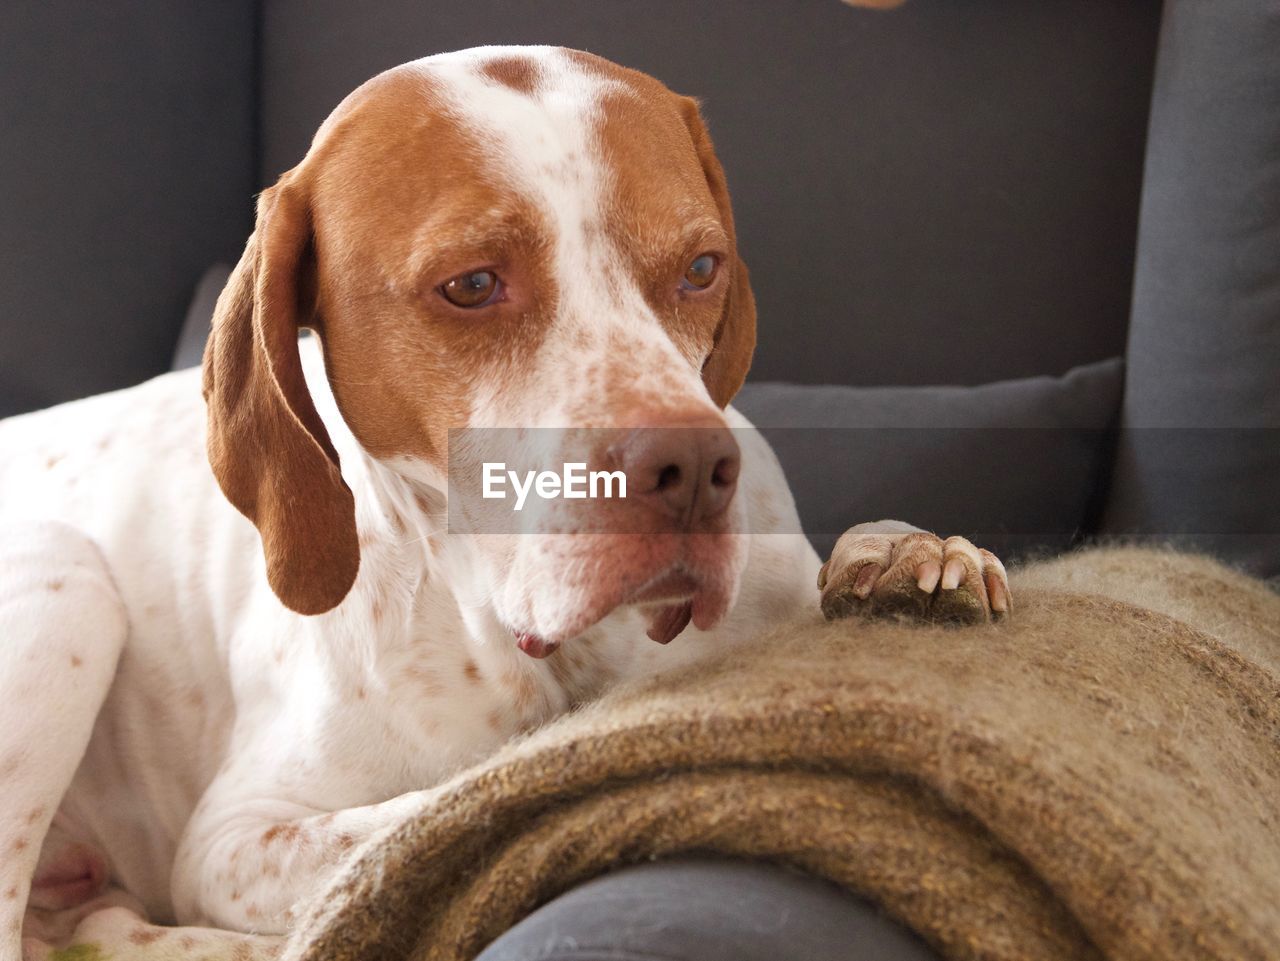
x=195 y=725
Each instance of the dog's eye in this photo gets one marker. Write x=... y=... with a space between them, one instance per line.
x=700 y=273
x=474 y=289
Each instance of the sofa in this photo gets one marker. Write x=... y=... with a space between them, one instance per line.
x=1034 y=248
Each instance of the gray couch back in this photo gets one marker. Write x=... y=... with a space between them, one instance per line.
x=944 y=194
x=127 y=165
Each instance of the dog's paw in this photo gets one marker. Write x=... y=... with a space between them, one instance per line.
x=888 y=569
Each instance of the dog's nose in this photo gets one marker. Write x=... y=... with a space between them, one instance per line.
x=688 y=471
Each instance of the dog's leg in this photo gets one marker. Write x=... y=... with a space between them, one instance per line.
x=247 y=865
x=62 y=628
x=114 y=931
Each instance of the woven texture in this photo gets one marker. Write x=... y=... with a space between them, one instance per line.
x=1099 y=778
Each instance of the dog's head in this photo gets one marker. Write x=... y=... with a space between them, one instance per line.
x=501 y=238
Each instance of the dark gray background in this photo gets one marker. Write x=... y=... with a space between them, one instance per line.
x=944 y=194
x=127 y=150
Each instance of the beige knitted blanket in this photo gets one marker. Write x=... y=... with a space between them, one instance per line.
x=1099 y=778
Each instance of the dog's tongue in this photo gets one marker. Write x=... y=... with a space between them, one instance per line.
x=535 y=646
x=667 y=622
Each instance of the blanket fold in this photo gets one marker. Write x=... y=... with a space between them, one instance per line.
x=1099 y=778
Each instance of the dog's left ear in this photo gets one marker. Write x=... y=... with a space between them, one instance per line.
x=735 y=340
x=267 y=446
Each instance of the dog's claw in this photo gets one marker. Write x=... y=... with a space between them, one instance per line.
x=997 y=594
x=927 y=576
x=865 y=582
x=953 y=574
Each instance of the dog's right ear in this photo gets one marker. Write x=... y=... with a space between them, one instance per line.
x=267 y=445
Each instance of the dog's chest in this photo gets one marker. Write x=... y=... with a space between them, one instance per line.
x=430 y=701
x=468 y=700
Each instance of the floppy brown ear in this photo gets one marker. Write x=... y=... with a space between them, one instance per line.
x=735 y=340
x=267 y=445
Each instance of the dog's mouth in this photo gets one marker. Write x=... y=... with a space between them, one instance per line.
x=671 y=600
x=668 y=603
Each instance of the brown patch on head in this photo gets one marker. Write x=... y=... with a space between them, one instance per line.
x=670 y=205
x=405 y=364
x=518 y=73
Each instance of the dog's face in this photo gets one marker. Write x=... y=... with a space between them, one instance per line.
x=502 y=238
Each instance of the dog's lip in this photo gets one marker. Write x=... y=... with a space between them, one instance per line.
x=535 y=646
x=673 y=585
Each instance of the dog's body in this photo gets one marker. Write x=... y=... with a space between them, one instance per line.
x=205 y=753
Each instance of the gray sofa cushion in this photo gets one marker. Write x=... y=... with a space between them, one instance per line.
x=1017 y=465
x=707 y=910
x=199 y=319
x=1199 y=457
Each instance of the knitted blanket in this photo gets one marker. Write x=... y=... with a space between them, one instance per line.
x=1098 y=778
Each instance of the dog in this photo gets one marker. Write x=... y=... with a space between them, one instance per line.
x=239 y=635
